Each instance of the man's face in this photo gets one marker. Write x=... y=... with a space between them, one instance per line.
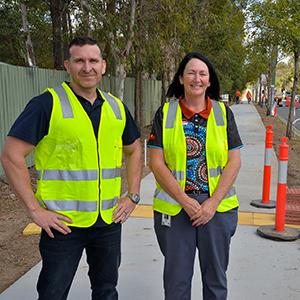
x=85 y=66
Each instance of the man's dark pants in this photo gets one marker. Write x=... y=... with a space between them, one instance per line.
x=178 y=244
x=61 y=256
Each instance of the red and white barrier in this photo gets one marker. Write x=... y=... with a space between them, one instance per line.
x=281 y=186
x=267 y=165
x=279 y=231
x=265 y=201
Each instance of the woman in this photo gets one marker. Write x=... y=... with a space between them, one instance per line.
x=195 y=158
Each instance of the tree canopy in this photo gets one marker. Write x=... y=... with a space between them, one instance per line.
x=160 y=31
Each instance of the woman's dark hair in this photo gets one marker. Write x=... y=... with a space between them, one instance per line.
x=176 y=89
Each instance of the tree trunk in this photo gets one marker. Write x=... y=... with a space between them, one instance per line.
x=55 y=10
x=273 y=76
x=85 y=7
x=165 y=86
x=268 y=102
x=65 y=31
x=257 y=91
x=121 y=56
x=69 y=25
x=120 y=80
x=291 y=118
x=29 y=47
x=260 y=91
x=138 y=97
x=138 y=100
x=168 y=68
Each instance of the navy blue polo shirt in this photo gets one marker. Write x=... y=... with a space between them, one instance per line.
x=33 y=123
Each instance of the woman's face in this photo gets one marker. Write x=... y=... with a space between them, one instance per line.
x=195 y=78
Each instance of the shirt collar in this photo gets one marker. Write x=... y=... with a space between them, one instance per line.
x=189 y=113
x=99 y=99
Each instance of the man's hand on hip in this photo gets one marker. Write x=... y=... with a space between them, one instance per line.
x=48 y=219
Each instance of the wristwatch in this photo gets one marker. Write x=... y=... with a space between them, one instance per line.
x=135 y=198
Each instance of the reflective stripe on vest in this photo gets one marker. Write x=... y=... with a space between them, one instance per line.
x=171 y=114
x=68 y=175
x=114 y=105
x=230 y=193
x=179 y=175
x=162 y=195
x=215 y=172
x=217 y=113
x=79 y=174
x=109 y=203
x=76 y=205
x=67 y=109
x=64 y=102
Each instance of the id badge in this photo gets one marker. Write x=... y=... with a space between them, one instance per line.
x=166 y=220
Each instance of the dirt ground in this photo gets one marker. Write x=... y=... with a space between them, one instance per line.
x=19 y=253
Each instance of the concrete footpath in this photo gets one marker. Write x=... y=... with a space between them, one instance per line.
x=259 y=268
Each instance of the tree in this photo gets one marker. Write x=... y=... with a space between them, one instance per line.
x=284 y=76
x=221 y=36
x=113 y=22
x=265 y=16
x=10 y=33
x=61 y=25
x=290 y=41
x=55 y=7
x=29 y=46
x=85 y=7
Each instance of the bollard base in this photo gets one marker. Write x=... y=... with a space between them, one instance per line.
x=269 y=232
x=260 y=204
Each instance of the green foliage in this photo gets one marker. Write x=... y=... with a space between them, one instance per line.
x=289 y=26
x=165 y=31
x=221 y=41
x=272 y=23
x=10 y=33
x=284 y=76
x=12 y=48
x=41 y=32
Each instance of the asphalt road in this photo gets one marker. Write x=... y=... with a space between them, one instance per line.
x=283 y=112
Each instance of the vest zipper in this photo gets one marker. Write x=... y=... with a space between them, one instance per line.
x=99 y=191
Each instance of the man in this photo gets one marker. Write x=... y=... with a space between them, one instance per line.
x=78 y=133
x=237 y=97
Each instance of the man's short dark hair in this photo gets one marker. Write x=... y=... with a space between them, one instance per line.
x=82 y=41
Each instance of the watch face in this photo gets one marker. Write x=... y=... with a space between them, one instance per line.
x=135 y=198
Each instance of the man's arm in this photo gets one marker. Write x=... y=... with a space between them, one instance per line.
x=14 y=165
x=168 y=182
x=133 y=161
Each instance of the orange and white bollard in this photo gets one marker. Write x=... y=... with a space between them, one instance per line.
x=280 y=232
x=281 y=185
x=265 y=202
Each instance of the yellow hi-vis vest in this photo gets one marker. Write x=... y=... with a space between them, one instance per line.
x=174 y=148
x=79 y=175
